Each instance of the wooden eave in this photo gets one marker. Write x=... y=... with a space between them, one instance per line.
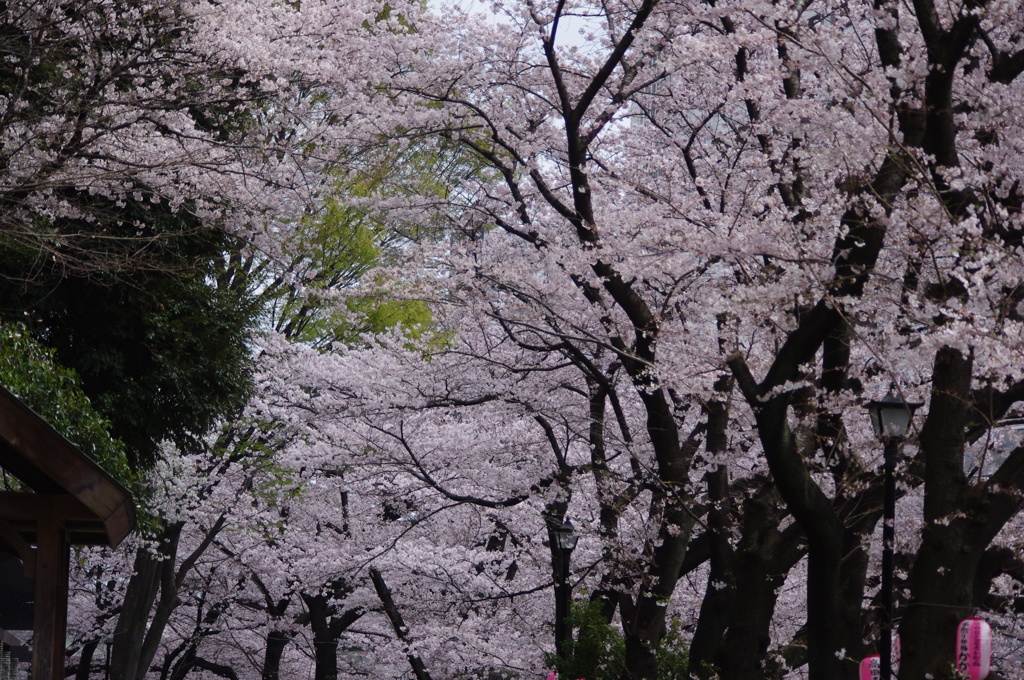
x=69 y=485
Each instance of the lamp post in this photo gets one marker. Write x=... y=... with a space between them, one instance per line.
x=565 y=540
x=890 y=418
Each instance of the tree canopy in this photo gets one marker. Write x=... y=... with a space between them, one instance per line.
x=162 y=354
x=649 y=260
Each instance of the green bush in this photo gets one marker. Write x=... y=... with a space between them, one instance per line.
x=598 y=650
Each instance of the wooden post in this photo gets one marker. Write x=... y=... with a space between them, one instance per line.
x=51 y=600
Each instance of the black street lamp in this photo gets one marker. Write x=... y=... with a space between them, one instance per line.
x=890 y=419
x=565 y=540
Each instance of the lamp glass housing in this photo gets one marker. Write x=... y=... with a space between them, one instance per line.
x=891 y=416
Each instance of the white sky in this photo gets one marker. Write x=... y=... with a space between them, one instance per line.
x=570 y=28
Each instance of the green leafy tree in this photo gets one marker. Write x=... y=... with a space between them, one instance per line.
x=30 y=372
x=323 y=298
x=332 y=254
x=162 y=353
x=133 y=158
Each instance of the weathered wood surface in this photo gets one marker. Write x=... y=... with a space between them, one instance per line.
x=75 y=503
x=49 y=464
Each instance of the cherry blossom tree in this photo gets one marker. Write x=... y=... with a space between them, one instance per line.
x=137 y=155
x=110 y=107
x=694 y=238
x=753 y=213
x=237 y=560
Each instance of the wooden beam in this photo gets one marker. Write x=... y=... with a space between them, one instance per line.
x=21 y=512
x=29 y=507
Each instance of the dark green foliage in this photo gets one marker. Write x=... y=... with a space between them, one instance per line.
x=102 y=254
x=598 y=650
x=161 y=350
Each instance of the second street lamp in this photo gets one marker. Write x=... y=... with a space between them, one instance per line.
x=890 y=418
x=565 y=540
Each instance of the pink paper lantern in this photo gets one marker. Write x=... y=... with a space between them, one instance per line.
x=871 y=667
x=973 y=648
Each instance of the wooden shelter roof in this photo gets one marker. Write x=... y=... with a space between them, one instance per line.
x=69 y=485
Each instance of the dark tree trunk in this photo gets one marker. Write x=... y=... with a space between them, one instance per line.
x=84 y=669
x=960 y=521
x=814 y=511
x=276 y=642
x=641 y=659
x=419 y=669
x=126 y=656
x=744 y=648
x=763 y=559
x=325 y=645
x=140 y=627
x=942 y=580
x=826 y=633
x=717 y=607
x=643 y=622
